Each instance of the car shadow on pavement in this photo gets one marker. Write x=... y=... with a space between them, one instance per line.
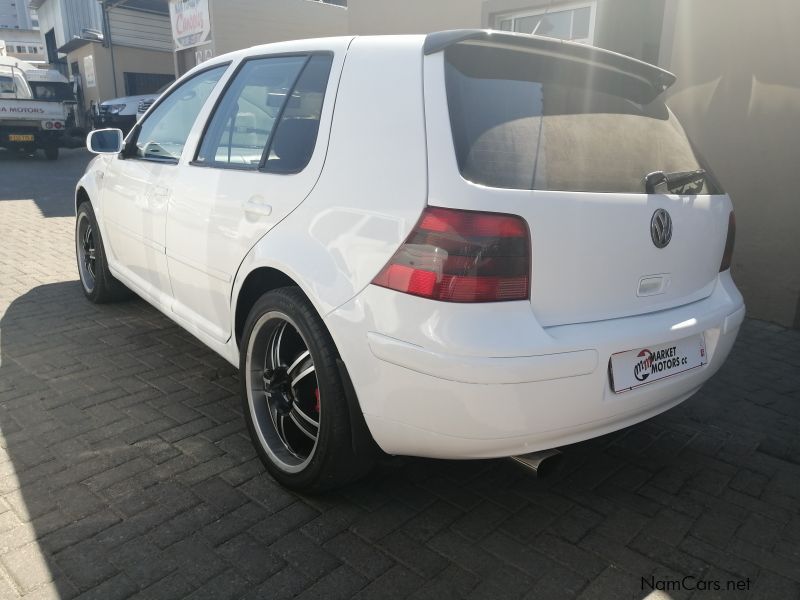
x=127 y=472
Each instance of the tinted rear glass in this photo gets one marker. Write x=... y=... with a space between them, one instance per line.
x=529 y=121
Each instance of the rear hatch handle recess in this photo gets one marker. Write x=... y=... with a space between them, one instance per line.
x=682 y=183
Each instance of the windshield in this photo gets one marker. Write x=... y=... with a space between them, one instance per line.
x=530 y=121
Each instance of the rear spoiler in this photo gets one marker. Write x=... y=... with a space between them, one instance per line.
x=658 y=79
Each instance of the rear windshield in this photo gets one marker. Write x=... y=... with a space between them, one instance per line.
x=52 y=91
x=529 y=121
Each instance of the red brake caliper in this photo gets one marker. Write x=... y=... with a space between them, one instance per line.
x=316 y=395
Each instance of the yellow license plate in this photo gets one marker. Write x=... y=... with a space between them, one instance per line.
x=18 y=137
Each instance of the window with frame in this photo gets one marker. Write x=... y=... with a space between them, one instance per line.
x=567 y=22
x=13 y=85
x=269 y=116
x=163 y=134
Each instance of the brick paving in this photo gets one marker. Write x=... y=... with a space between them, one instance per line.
x=126 y=472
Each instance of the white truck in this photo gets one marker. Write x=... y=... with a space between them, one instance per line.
x=36 y=107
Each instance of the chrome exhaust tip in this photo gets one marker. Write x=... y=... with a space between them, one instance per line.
x=541 y=464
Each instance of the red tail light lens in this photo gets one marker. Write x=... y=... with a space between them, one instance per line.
x=462 y=256
x=727 y=257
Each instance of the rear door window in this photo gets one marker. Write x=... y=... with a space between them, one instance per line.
x=530 y=121
x=269 y=116
x=296 y=135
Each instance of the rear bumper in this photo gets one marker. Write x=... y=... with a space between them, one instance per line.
x=479 y=381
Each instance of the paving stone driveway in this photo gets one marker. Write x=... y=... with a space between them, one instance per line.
x=125 y=469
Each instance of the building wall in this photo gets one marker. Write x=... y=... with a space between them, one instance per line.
x=103 y=73
x=67 y=18
x=238 y=24
x=15 y=14
x=132 y=60
x=137 y=29
x=738 y=95
x=630 y=27
x=138 y=60
x=370 y=17
x=79 y=15
x=26 y=39
x=50 y=17
x=493 y=8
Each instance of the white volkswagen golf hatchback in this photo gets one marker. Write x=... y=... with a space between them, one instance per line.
x=469 y=244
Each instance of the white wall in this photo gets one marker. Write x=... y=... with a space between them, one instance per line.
x=68 y=17
x=738 y=96
x=372 y=17
x=240 y=24
x=50 y=18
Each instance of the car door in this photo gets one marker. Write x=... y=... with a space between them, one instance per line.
x=137 y=184
x=260 y=155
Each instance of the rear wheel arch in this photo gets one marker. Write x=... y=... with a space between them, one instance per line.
x=263 y=280
x=257 y=283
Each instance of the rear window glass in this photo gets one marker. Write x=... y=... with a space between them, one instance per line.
x=534 y=122
x=269 y=116
x=53 y=92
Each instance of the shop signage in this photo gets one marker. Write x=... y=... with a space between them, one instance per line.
x=191 y=25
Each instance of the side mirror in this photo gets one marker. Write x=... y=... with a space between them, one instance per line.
x=105 y=141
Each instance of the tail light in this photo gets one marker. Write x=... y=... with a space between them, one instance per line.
x=727 y=257
x=462 y=256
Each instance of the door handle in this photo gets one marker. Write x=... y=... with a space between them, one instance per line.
x=257 y=206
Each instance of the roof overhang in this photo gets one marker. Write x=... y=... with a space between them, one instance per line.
x=76 y=43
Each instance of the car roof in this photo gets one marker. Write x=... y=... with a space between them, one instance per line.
x=656 y=79
x=288 y=47
x=305 y=45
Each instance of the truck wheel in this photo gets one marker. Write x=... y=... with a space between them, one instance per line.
x=51 y=152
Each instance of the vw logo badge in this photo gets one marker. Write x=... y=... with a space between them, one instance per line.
x=661 y=228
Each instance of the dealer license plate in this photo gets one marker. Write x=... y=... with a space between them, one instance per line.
x=639 y=367
x=19 y=137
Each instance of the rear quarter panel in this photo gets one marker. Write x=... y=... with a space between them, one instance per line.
x=373 y=186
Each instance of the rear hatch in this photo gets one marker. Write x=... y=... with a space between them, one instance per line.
x=564 y=135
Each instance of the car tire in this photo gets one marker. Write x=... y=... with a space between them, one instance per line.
x=51 y=152
x=295 y=399
x=98 y=284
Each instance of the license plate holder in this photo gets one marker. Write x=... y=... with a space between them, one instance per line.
x=634 y=368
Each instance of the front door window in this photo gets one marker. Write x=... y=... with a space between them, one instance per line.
x=164 y=132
